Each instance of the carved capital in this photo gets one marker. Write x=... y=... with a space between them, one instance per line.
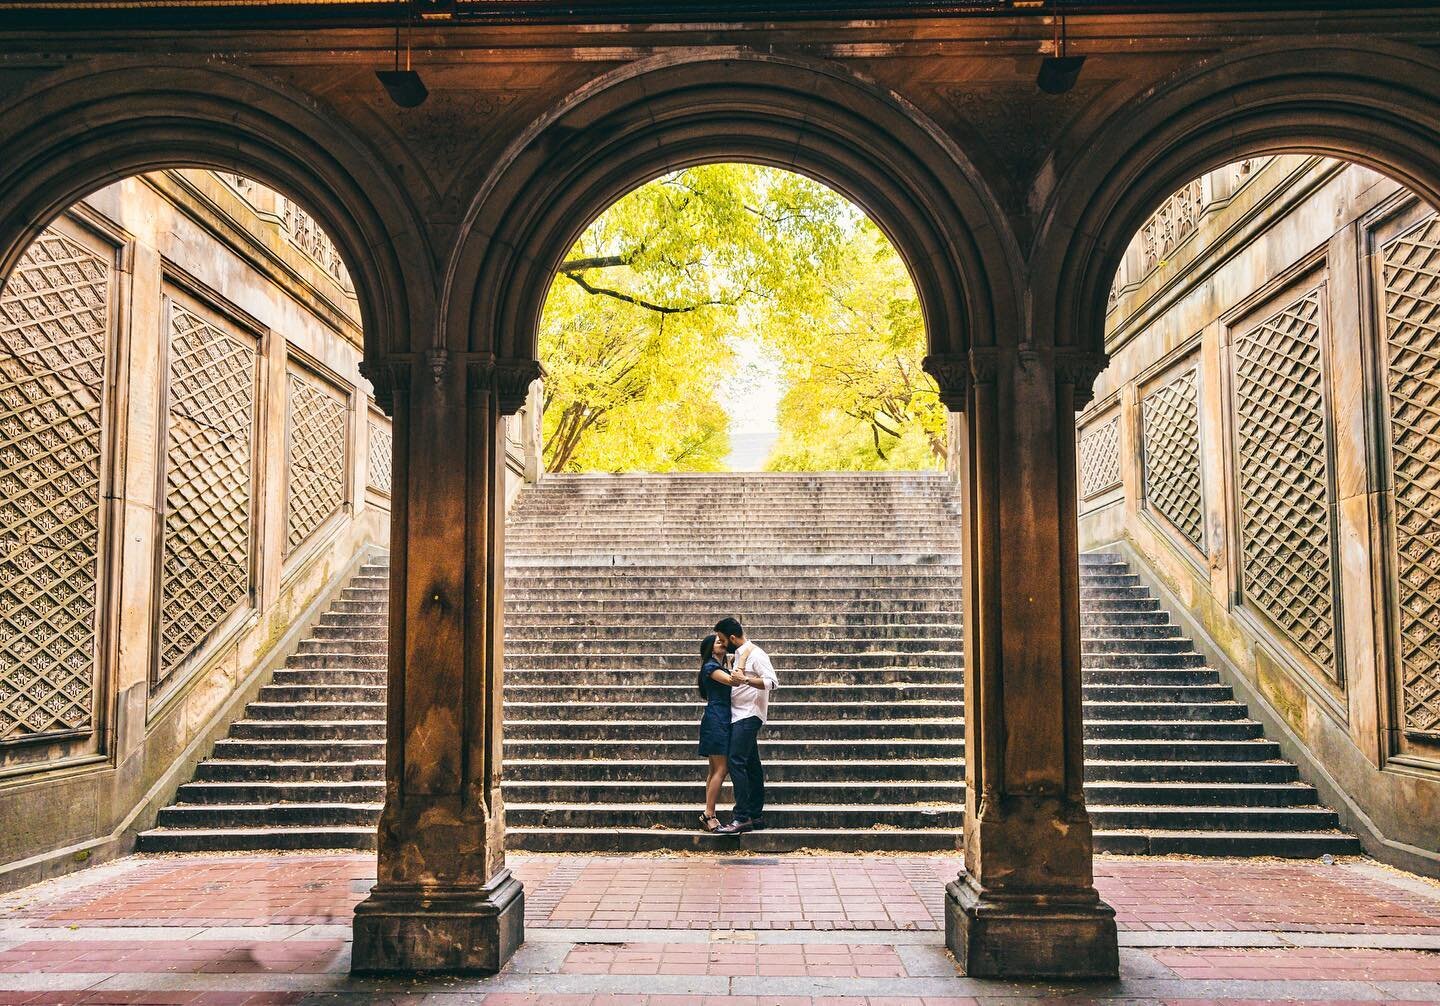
x=1079 y=369
x=952 y=374
x=508 y=380
x=389 y=377
x=512 y=383
x=985 y=364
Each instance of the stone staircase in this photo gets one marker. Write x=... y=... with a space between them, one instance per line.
x=852 y=582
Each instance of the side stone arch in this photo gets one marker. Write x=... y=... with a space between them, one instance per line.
x=75 y=130
x=667 y=114
x=1371 y=102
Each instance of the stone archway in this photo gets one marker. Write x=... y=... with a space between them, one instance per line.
x=1360 y=100
x=1026 y=904
x=78 y=129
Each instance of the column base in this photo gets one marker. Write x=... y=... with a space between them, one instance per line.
x=411 y=930
x=1036 y=937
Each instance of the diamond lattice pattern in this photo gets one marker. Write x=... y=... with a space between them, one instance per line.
x=1411 y=267
x=317 y=456
x=1285 y=531
x=1100 y=458
x=378 y=471
x=54 y=325
x=206 y=573
x=1170 y=417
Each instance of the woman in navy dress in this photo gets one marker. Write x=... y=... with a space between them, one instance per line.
x=715 y=724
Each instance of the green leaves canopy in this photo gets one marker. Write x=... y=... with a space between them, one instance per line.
x=638 y=331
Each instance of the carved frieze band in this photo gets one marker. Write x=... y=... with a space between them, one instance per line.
x=205 y=571
x=508 y=380
x=1170 y=439
x=54 y=335
x=1411 y=275
x=954 y=373
x=1284 y=479
x=316 y=426
x=1099 y=451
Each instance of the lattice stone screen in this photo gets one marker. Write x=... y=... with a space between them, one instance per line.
x=378 y=468
x=1100 y=457
x=1174 y=486
x=1411 y=272
x=316 y=424
x=1284 y=479
x=205 y=572
x=54 y=331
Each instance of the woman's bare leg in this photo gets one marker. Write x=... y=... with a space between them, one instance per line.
x=719 y=765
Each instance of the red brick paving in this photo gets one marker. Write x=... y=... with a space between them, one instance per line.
x=162 y=956
x=794 y=893
x=773 y=960
x=1302 y=964
x=1165 y=895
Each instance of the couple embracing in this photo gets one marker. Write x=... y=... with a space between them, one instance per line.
x=736 y=679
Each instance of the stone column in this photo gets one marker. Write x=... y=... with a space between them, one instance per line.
x=1025 y=905
x=444 y=900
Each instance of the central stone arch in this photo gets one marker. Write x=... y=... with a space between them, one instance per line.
x=675 y=112
x=1025 y=903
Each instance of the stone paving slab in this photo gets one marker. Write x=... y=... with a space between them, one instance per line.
x=713 y=931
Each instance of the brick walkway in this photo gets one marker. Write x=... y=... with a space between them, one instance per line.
x=711 y=931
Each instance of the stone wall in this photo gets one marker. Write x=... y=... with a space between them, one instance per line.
x=190 y=463
x=1266 y=442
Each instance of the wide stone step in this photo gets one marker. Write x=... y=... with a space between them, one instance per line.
x=1217 y=818
x=635 y=623
x=687 y=696
x=318 y=711
x=309 y=748
x=877 y=794
x=519 y=713
x=377 y=646
x=778 y=769
x=236 y=770
x=873 y=660
x=701 y=612
x=280 y=815
x=256 y=839
x=857 y=646
x=684 y=818
x=898 y=729
x=687 y=675
x=315 y=792
x=338 y=676
x=313 y=730
x=666 y=635
x=870 y=748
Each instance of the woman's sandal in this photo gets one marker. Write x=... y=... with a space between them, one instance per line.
x=709 y=822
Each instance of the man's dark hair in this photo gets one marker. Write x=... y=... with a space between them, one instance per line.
x=730 y=627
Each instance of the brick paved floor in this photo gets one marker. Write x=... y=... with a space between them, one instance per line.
x=713 y=931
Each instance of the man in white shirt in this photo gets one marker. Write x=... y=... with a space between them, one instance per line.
x=749 y=706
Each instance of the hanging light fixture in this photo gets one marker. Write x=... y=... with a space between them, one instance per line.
x=1059 y=72
x=405 y=87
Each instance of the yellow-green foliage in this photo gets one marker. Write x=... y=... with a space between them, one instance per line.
x=637 y=330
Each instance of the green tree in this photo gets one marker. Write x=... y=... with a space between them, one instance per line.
x=637 y=330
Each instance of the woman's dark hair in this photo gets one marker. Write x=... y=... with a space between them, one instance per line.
x=707 y=654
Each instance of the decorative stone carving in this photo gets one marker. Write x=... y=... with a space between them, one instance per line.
x=379 y=462
x=54 y=332
x=1283 y=479
x=387 y=377
x=1173 y=222
x=316 y=428
x=1099 y=451
x=1079 y=370
x=508 y=380
x=205 y=573
x=1170 y=434
x=306 y=234
x=952 y=376
x=1411 y=273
